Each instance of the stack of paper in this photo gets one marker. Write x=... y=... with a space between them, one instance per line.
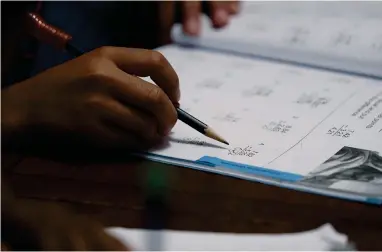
x=324 y=238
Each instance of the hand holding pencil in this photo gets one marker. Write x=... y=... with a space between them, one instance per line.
x=61 y=40
x=97 y=99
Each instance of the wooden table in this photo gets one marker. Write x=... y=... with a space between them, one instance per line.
x=110 y=190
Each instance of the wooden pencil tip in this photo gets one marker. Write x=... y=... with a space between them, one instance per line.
x=212 y=134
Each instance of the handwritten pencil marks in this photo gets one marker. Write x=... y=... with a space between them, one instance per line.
x=230 y=117
x=241 y=65
x=210 y=84
x=377 y=44
x=298 y=36
x=239 y=151
x=258 y=91
x=343 y=131
x=278 y=126
x=312 y=99
x=257 y=27
x=342 y=39
x=374 y=121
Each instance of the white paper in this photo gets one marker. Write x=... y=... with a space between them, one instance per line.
x=278 y=117
x=324 y=238
x=355 y=9
x=341 y=36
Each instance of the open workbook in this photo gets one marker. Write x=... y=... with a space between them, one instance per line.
x=298 y=97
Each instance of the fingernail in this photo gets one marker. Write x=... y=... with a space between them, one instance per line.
x=221 y=16
x=192 y=26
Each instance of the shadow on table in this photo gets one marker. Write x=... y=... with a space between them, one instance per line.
x=70 y=150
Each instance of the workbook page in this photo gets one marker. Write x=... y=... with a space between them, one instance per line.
x=276 y=116
x=339 y=36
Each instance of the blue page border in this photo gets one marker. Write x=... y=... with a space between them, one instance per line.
x=263 y=175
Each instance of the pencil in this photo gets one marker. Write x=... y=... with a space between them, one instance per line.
x=48 y=33
x=199 y=125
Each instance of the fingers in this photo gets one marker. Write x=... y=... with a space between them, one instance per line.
x=146 y=63
x=131 y=90
x=220 y=12
x=233 y=7
x=137 y=92
x=120 y=126
x=191 y=11
x=108 y=136
x=129 y=119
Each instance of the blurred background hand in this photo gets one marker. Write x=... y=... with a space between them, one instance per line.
x=189 y=14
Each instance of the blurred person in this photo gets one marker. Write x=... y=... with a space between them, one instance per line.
x=93 y=100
